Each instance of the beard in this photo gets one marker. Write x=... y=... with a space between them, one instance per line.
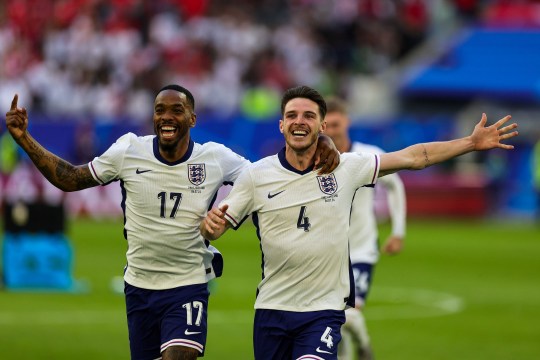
x=171 y=144
x=301 y=148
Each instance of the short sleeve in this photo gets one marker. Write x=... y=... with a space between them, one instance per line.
x=106 y=167
x=240 y=200
x=231 y=164
x=363 y=168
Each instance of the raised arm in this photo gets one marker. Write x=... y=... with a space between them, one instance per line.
x=420 y=156
x=59 y=172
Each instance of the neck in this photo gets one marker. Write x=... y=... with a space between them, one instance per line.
x=300 y=159
x=177 y=152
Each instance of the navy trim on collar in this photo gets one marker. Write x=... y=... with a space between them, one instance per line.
x=184 y=158
x=286 y=165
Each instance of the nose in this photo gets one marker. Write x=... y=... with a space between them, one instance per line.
x=167 y=115
x=299 y=120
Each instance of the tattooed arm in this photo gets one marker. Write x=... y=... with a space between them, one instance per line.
x=59 y=172
x=420 y=156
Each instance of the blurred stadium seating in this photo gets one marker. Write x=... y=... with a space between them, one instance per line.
x=88 y=70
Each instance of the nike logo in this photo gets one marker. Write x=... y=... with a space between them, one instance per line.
x=141 y=171
x=276 y=194
x=187 y=332
x=322 y=351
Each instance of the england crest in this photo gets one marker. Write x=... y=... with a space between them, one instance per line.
x=196 y=173
x=327 y=184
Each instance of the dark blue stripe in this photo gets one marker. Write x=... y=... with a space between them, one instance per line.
x=123 y=205
x=255 y=218
x=286 y=165
x=184 y=158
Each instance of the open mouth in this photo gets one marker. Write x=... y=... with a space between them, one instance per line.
x=167 y=131
x=299 y=133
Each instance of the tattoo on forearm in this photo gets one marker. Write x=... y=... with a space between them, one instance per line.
x=58 y=171
x=426 y=157
x=80 y=177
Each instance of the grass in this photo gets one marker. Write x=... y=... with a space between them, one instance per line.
x=460 y=290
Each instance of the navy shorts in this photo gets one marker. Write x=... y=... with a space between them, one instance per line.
x=158 y=319
x=363 y=275
x=289 y=335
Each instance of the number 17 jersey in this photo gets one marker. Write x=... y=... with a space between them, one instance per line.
x=163 y=205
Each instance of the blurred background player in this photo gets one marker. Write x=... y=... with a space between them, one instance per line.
x=363 y=232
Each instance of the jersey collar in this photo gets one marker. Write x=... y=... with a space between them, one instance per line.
x=286 y=165
x=181 y=160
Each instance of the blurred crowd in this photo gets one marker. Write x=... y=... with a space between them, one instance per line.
x=106 y=58
x=102 y=62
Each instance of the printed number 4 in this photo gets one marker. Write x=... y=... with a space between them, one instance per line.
x=177 y=197
x=189 y=312
x=327 y=338
x=303 y=220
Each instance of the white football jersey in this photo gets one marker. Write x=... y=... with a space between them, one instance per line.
x=363 y=232
x=302 y=222
x=164 y=204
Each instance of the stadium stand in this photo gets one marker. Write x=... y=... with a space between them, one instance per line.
x=87 y=71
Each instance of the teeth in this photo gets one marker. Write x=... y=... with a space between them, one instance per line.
x=299 y=132
x=168 y=128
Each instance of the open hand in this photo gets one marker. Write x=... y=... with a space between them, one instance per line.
x=490 y=137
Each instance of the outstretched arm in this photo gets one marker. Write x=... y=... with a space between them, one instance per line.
x=420 y=156
x=214 y=224
x=59 y=172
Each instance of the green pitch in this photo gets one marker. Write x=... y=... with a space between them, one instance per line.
x=460 y=290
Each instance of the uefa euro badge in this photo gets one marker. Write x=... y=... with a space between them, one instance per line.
x=196 y=173
x=327 y=184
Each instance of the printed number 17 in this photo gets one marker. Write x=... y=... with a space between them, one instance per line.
x=177 y=197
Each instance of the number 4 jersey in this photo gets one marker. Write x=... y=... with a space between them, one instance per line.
x=303 y=221
x=163 y=205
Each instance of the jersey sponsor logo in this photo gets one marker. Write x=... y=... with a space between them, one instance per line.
x=319 y=350
x=196 y=173
x=275 y=194
x=141 y=171
x=187 y=332
x=327 y=184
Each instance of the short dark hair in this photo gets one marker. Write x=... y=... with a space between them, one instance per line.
x=182 y=90
x=335 y=104
x=307 y=93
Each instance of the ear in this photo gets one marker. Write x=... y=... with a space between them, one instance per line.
x=193 y=120
x=281 y=126
x=323 y=127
